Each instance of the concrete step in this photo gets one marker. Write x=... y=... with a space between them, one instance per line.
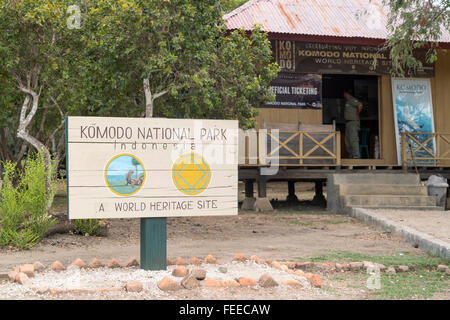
x=418 y=208
x=377 y=178
x=388 y=200
x=382 y=189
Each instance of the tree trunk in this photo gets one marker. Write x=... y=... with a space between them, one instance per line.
x=32 y=98
x=148 y=99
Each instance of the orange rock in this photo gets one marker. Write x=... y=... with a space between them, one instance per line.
x=276 y=265
x=199 y=274
x=28 y=269
x=314 y=279
x=240 y=257
x=254 y=258
x=78 y=263
x=195 y=260
x=167 y=284
x=113 y=263
x=96 y=263
x=12 y=276
x=134 y=286
x=210 y=259
x=180 y=261
x=247 y=282
x=292 y=282
x=229 y=283
x=22 y=278
x=299 y=272
x=355 y=265
x=266 y=281
x=211 y=283
x=169 y=262
x=190 y=282
x=57 y=266
x=180 y=271
x=284 y=268
x=132 y=262
x=342 y=266
x=304 y=265
x=38 y=266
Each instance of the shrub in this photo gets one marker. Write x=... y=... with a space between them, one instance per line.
x=26 y=196
x=92 y=227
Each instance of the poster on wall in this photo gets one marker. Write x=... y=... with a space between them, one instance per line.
x=413 y=112
x=296 y=90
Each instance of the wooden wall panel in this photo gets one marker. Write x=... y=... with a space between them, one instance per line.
x=273 y=115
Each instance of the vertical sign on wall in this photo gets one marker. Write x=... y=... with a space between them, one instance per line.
x=413 y=112
x=285 y=54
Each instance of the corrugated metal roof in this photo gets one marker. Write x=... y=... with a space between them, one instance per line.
x=336 y=18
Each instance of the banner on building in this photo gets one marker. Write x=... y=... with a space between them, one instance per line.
x=413 y=112
x=296 y=90
x=314 y=57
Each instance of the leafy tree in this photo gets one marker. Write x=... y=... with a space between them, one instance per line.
x=135 y=163
x=34 y=44
x=415 y=24
x=177 y=53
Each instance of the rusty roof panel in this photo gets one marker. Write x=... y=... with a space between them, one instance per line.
x=338 y=18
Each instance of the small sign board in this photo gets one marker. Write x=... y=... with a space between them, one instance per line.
x=151 y=167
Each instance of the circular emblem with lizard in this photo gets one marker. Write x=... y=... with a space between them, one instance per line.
x=191 y=174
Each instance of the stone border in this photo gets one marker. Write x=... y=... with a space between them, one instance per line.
x=423 y=240
x=196 y=277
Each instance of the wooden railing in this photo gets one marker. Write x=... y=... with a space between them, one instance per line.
x=290 y=148
x=425 y=149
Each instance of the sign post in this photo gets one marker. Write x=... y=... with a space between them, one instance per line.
x=153 y=243
x=151 y=168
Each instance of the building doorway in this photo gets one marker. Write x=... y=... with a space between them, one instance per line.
x=365 y=89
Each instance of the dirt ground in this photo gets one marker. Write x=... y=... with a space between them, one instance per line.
x=298 y=232
x=435 y=223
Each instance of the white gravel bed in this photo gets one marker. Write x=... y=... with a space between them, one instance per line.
x=101 y=278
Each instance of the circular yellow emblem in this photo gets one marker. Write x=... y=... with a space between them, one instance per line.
x=191 y=174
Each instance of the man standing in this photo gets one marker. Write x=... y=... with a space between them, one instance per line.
x=351 y=114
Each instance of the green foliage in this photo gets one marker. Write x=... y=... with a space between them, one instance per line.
x=406 y=258
x=415 y=24
x=92 y=227
x=422 y=281
x=194 y=68
x=24 y=203
x=420 y=284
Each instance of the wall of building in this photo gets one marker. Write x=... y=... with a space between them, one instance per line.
x=440 y=86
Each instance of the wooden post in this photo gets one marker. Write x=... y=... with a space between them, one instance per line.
x=404 y=153
x=249 y=189
x=292 y=198
x=319 y=197
x=153 y=244
x=262 y=193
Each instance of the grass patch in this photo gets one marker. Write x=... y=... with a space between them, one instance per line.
x=423 y=282
x=298 y=212
x=298 y=223
x=407 y=259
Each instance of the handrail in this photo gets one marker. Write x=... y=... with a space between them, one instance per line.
x=425 y=148
x=306 y=148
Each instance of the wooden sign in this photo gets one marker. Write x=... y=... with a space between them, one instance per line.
x=151 y=167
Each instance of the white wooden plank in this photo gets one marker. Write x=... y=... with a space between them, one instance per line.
x=193 y=179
